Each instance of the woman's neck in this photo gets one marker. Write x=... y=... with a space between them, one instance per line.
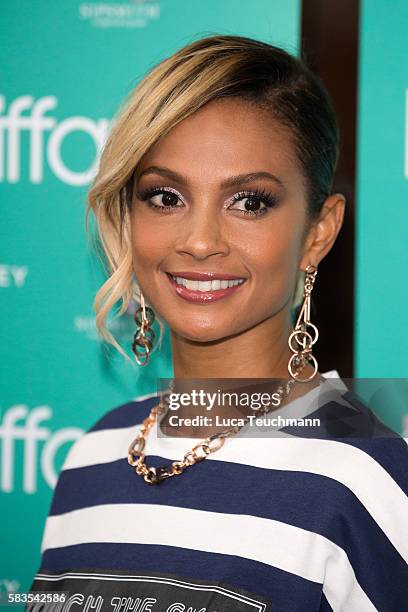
x=259 y=352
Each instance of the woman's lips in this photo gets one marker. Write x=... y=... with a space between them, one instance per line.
x=201 y=297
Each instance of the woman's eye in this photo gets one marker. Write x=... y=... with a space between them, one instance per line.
x=253 y=203
x=249 y=204
x=165 y=199
x=162 y=200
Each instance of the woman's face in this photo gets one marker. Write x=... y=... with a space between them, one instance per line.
x=222 y=194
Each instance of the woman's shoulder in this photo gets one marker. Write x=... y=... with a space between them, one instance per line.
x=94 y=459
x=126 y=414
x=339 y=436
x=346 y=415
x=103 y=440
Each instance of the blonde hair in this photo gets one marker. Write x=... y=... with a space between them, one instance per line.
x=204 y=70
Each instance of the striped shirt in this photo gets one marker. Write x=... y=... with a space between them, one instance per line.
x=289 y=523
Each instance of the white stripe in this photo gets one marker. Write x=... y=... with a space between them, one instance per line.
x=278 y=544
x=140 y=398
x=87 y=451
x=352 y=467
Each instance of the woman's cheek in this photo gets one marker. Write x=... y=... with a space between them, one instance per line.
x=275 y=265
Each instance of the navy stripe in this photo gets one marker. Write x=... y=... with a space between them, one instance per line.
x=285 y=590
x=385 y=446
x=359 y=428
x=126 y=415
x=363 y=430
x=390 y=453
x=324 y=605
x=310 y=501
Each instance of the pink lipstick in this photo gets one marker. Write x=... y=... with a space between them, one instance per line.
x=204 y=287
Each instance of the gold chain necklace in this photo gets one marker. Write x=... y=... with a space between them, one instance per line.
x=155 y=475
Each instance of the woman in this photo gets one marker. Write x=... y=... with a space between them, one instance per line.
x=214 y=208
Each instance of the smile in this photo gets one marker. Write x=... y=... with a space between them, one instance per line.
x=214 y=287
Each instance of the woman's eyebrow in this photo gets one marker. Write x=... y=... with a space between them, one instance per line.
x=232 y=181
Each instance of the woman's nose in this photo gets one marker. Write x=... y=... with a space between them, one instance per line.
x=203 y=234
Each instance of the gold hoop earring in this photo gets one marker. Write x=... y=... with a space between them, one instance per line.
x=144 y=336
x=301 y=336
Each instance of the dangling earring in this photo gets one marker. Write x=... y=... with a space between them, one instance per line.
x=301 y=336
x=144 y=335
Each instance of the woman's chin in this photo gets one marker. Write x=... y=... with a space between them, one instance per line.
x=202 y=335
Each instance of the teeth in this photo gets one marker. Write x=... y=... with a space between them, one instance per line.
x=214 y=285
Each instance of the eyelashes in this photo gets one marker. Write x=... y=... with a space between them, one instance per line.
x=257 y=196
x=145 y=194
x=252 y=197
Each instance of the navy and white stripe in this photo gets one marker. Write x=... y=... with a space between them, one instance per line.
x=307 y=523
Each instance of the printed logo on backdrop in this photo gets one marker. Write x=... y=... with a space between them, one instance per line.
x=46 y=136
x=27 y=444
x=8 y=586
x=122 y=328
x=86 y=325
x=133 y=14
x=12 y=275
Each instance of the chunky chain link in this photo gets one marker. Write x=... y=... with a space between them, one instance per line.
x=155 y=475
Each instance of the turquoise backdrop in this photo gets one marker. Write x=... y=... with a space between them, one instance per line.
x=381 y=290
x=65 y=68
x=382 y=191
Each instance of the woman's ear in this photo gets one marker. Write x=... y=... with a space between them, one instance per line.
x=323 y=232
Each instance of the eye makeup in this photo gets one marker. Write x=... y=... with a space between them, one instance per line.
x=254 y=196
